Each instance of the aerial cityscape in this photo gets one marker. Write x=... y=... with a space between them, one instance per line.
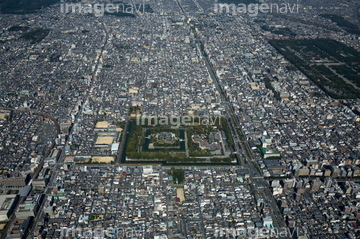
x=172 y=119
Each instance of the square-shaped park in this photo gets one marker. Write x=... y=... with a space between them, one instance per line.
x=176 y=141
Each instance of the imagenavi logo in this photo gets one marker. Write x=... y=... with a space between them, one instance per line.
x=140 y=232
x=177 y=121
x=253 y=9
x=99 y=9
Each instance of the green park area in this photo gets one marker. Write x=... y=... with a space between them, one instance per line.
x=330 y=64
x=186 y=144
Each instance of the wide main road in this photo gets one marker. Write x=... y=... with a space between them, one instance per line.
x=41 y=163
x=57 y=167
x=243 y=150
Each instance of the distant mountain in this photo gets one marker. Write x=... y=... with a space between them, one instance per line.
x=24 y=6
